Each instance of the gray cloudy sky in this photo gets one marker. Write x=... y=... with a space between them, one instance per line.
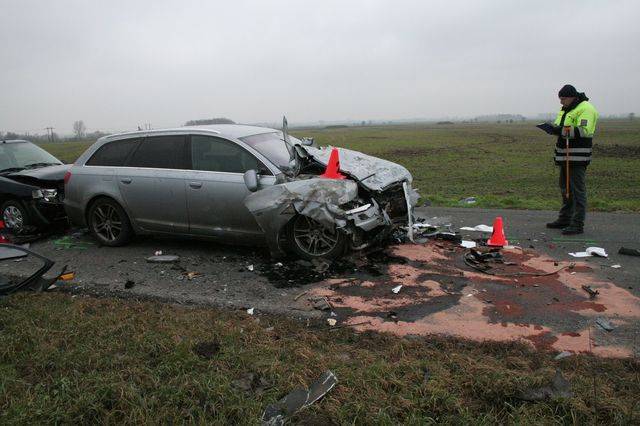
x=116 y=64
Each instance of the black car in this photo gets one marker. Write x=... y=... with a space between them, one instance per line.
x=31 y=187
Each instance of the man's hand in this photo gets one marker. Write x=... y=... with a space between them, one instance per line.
x=566 y=131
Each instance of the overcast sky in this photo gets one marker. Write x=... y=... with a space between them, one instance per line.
x=117 y=64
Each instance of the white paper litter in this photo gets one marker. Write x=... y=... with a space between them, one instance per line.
x=331 y=321
x=250 y=311
x=479 y=228
x=590 y=251
x=396 y=289
x=250 y=267
x=616 y=266
x=468 y=244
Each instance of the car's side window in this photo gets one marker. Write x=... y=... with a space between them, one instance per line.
x=113 y=154
x=160 y=152
x=213 y=154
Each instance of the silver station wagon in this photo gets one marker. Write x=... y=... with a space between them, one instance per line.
x=240 y=184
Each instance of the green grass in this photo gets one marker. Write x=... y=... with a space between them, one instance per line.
x=502 y=165
x=83 y=360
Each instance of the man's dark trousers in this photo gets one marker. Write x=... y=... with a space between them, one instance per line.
x=574 y=208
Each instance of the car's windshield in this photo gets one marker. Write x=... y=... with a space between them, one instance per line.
x=21 y=155
x=272 y=146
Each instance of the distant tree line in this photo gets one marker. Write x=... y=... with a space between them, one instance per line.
x=79 y=133
x=205 y=121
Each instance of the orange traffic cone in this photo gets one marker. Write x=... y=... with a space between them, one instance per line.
x=2 y=238
x=498 y=238
x=333 y=167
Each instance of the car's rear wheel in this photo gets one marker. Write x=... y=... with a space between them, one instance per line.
x=108 y=223
x=15 y=216
x=310 y=240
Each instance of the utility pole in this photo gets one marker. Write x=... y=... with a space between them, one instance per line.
x=49 y=133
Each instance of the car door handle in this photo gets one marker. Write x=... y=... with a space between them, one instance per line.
x=195 y=185
x=126 y=180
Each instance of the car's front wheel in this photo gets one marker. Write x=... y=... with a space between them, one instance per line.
x=15 y=216
x=310 y=240
x=108 y=223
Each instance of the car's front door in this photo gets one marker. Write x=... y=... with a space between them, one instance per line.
x=153 y=184
x=216 y=189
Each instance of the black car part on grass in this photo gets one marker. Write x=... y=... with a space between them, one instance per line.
x=36 y=281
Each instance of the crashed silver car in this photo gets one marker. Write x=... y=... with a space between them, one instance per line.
x=240 y=184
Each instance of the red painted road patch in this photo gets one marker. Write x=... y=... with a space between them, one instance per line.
x=442 y=295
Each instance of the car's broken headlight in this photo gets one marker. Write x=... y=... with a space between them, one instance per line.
x=49 y=195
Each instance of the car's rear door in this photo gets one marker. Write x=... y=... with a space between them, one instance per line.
x=153 y=184
x=216 y=189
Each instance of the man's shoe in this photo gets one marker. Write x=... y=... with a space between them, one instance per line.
x=572 y=230
x=558 y=224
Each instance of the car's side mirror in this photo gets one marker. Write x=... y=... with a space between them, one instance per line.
x=251 y=180
x=307 y=141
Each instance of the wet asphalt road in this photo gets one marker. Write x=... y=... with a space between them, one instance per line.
x=527 y=228
x=242 y=278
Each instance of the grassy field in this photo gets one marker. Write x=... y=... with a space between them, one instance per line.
x=81 y=360
x=502 y=165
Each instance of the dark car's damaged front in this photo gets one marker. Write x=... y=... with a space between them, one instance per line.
x=374 y=198
x=31 y=187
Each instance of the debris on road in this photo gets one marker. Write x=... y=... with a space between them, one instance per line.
x=468 y=200
x=396 y=289
x=67 y=242
x=616 y=266
x=250 y=268
x=158 y=253
x=591 y=251
x=558 y=388
x=629 y=251
x=129 y=284
x=592 y=293
x=331 y=321
x=163 y=258
x=604 y=324
x=250 y=311
x=298 y=399
x=468 y=244
x=479 y=228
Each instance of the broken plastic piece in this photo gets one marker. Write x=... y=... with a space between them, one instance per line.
x=296 y=400
x=629 y=251
x=468 y=244
x=616 y=266
x=396 y=289
x=331 y=321
x=67 y=276
x=592 y=293
x=250 y=311
x=591 y=251
x=479 y=228
x=604 y=324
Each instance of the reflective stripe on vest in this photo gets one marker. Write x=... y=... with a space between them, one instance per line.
x=574 y=151
x=563 y=158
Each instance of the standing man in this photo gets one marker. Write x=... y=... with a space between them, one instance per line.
x=575 y=126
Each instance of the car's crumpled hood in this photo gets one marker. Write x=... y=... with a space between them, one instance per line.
x=46 y=174
x=374 y=173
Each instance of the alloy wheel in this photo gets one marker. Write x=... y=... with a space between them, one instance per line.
x=13 y=219
x=106 y=222
x=313 y=238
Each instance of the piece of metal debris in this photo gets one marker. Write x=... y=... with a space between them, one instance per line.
x=604 y=324
x=592 y=293
x=558 y=388
x=396 y=289
x=166 y=258
x=562 y=355
x=298 y=399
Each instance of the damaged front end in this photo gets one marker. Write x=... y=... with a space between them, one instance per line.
x=366 y=207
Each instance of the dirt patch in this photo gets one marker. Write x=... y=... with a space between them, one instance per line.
x=617 y=151
x=207 y=350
